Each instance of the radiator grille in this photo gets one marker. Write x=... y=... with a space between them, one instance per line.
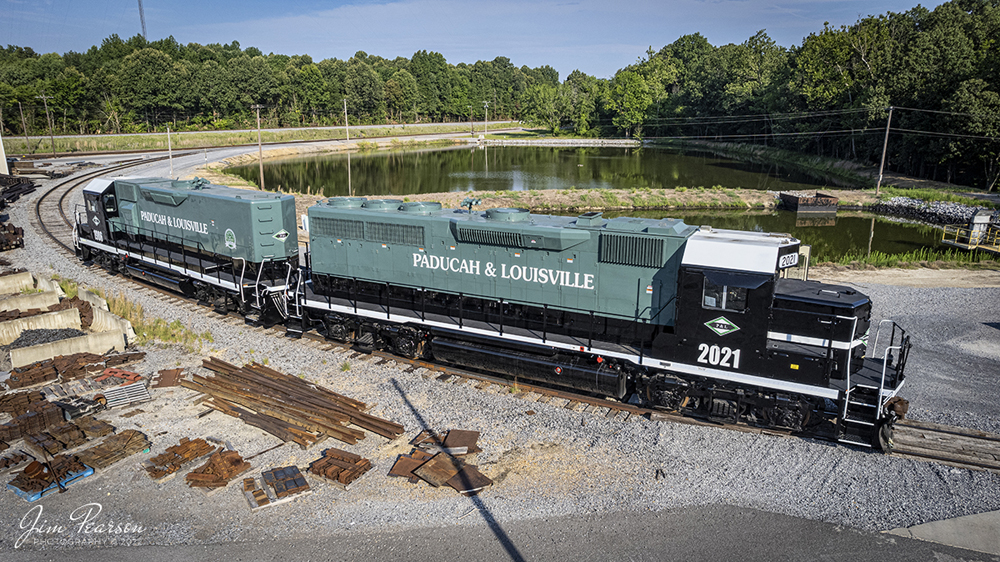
x=395 y=233
x=631 y=250
x=338 y=228
x=384 y=233
x=489 y=237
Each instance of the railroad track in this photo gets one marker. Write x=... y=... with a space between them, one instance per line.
x=52 y=215
x=954 y=446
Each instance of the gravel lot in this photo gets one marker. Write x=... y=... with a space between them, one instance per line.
x=550 y=464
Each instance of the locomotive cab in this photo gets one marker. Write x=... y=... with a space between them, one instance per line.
x=100 y=205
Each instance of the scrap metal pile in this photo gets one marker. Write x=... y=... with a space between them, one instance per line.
x=66 y=368
x=176 y=457
x=285 y=406
x=439 y=460
x=11 y=237
x=36 y=477
x=340 y=466
x=32 y=414
x=275 y=486
x=13 y=188
x=222 y=467
x=114 y=449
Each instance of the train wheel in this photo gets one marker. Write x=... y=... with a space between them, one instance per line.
x=883 y=437
x=337 y=332
x=406 y=346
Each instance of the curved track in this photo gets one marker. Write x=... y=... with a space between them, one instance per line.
x=949 y=445
x=51 y=216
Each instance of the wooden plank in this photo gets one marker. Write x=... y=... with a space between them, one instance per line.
x=947 y=428
x=950 y=444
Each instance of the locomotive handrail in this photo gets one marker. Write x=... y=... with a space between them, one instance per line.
x=885 y=366
x=892 y=337
x=355 y=280
x=256 y=289
x=243 y=271
x=288 y=279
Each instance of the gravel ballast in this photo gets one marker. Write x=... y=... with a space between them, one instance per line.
x=552 y=463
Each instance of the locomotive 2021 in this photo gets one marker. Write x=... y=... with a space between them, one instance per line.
x=656 y=312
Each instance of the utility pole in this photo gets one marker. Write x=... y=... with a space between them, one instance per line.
x=347 y=128
x=472 y=129
x=142 y=18
x=885 y=145
x=170 y=154
x=486 y=118
x=45 y=100
x=24 y=127
x=260 y=150
x=3 y=156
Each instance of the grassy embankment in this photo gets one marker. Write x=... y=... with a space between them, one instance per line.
x=146 y=329
x=16 y=146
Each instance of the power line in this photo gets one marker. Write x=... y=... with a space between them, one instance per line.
x=951 y=135
x=950 y=112
x=762 y=135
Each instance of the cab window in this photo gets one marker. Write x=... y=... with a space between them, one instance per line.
x=110 y=205
x=724 y=297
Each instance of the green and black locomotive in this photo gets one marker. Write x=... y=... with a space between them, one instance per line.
x=235 y=248
x=655 y=312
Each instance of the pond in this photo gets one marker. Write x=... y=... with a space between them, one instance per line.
x=831 y=237
x=401 y=173
x=519 y=168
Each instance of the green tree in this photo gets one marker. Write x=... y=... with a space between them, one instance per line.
x=581 y=93
x=365 y=92
x=628 y=99
x=978 y=109
x=400 y=93
x=543 y=107
x=148 y=83
x=214 y=88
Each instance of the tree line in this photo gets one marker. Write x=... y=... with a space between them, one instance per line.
x=830 y=96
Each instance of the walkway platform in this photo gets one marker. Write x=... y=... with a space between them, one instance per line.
x=983 y=237
x=980 y=532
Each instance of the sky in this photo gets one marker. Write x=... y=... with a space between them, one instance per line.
x=597 y=37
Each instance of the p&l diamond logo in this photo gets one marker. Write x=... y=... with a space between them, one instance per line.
x=722 y=326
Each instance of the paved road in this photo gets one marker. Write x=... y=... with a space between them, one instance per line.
x=707 y=534
x=477 y=124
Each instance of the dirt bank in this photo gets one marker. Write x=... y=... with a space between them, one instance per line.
x=920 y=277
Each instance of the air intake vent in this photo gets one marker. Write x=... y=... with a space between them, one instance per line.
x=337 y=228
x=490 y=237
x=395 y=233
x=631 y=250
